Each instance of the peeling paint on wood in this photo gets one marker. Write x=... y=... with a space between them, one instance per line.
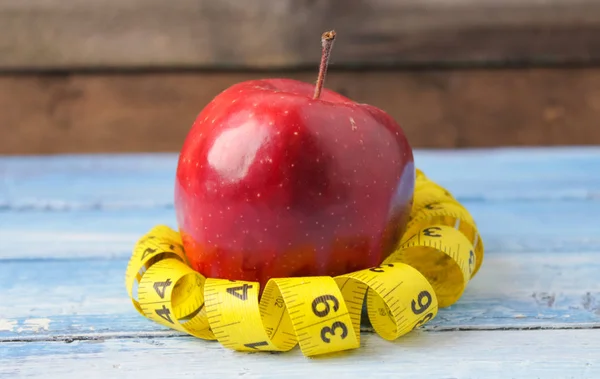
x=130 y=181
x=548 y=354
x=514 y=290
x=64 y=309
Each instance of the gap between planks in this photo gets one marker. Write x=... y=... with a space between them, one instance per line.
x=469 y=354
x=364 y=330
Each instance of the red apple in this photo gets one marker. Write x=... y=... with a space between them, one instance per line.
x=281 y=178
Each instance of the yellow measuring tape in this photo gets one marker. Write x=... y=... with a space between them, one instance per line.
x=436 y=258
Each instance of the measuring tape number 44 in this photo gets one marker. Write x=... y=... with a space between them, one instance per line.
x=440 y=252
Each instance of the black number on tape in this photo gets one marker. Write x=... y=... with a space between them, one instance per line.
x=147 y=252
x=240 y=292
x=331 y=331
x=425 y=319
x=433 y=206
x=160 y=287
x=423 y=304
x=431 y=231
x=164 y=313
x=255 y=345
x=323 y=300
x=279 y=302
x=380 y=267
x=471 y=260
x=269 y=331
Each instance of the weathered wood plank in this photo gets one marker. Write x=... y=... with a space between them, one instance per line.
x=474 y=354
x=540 y=272
x=515 y=195
x=541 y=252
x=145 y=181
x=154 y=111
x=521 y=226
x=71 y=297
x=264 y=34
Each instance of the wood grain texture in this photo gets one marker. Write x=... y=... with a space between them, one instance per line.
x=474 y=354
x=44 y=114
x=514 y=194
x=145 y=181
x=535 y=208
x=67 y=225
x=85 y=298
x=54 y=34
x=521 y=226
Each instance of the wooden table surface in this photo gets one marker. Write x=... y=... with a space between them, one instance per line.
x=68 y=224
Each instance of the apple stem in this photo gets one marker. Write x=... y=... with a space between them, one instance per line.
x=327 y=39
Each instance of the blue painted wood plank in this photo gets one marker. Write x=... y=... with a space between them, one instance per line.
x=560 y=173
x=475 y=354
x=63 y=252
x=146 y=180
x=87 y=296
x=509 y=226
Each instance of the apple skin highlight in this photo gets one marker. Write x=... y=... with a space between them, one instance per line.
x=272 y=182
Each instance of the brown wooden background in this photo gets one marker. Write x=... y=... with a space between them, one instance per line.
x=131 y=75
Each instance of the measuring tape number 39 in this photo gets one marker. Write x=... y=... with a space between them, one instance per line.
x=438 y=255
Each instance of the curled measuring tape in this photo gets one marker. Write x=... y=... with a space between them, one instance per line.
x=437 y=257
